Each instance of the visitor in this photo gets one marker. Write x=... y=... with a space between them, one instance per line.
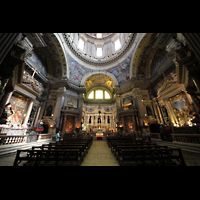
x=57 y=136
x=148 y=136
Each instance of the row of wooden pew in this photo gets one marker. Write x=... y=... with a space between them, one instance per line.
x=70 y=152
x=132 y=152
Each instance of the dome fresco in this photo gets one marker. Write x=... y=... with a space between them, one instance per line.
x=99 y=53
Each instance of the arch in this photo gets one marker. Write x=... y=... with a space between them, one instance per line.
x=138 y=39
x=65 y=69
x=99 y=72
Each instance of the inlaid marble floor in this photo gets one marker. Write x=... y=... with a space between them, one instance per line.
x=99 y=154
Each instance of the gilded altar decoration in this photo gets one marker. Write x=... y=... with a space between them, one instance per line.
x=30 y=82
x=19 y=106
x=182 y=109
x=98 y=79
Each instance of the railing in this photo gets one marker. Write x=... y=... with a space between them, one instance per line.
x=69 y=108
x=11 y=139
x=189 y=138
x=45 y=136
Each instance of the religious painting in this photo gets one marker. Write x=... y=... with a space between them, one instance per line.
x=129 y=123
x=158 y=60
x=19 y=106
x=70 y=102
x=121 y=71
x=70 y=123
x=128 y=101
x=182 y=108
x=77 y=71
x=99 y=79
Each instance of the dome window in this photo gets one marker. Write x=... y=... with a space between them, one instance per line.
x=81 y=44
x=91 y=95
x=117 y=45
x=99 y=52
x=99 y=35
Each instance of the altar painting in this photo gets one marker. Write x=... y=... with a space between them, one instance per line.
x=19 y=106
x=182 y=109
x=70 y=123
x=129 y=123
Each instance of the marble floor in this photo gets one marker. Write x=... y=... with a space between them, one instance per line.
x=99 y=154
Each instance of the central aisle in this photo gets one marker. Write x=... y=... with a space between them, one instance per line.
x=99 y=155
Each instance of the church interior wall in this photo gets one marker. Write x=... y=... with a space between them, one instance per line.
x=162 y=88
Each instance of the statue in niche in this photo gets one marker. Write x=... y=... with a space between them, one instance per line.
x=49 y=111
x=99 y=120
x=108 y=120
x=164 y=110
x=88 y=83
x=90 y=119
x=149 y=112
x=110 y=83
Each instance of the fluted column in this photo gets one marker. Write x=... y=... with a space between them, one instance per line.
x=193 y=40
x=6 y=42
x=28 y=113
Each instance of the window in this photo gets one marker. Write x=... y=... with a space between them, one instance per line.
x=80 y=44
x=99 y=94
x=107 y=96
x=99 y=52
x=117 y=44
x=91 y=95
x=99 y=35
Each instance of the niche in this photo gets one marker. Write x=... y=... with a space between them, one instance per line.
x=149 y=112
x=49 y=110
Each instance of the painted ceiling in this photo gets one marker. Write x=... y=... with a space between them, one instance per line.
x=50 y=61
x=78 y=71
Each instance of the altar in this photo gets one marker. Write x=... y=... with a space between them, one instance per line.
x=96 y=130
x=99 y=136
x=99 y=133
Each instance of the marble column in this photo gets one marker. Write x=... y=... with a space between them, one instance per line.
x=28 y=113
x=36 y=119
x=63 y=126
x=7 y=41
x=80 y=109
x=139 y=104
x=59 y=104
x=5 y=99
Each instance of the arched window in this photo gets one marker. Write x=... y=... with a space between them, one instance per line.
x=99 y=94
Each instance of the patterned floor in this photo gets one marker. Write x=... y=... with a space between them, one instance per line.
x=99 y=154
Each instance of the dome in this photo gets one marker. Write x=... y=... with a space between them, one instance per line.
x=99 y=50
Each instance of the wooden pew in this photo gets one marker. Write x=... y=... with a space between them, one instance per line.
x=80 y=148
x=88 y=140
x=151 y=157
x=118 y=150
x=72 y=141
x=110 y=139
x=113 y=144
x=44 y=157
x=85 y=146
x=67 y=146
